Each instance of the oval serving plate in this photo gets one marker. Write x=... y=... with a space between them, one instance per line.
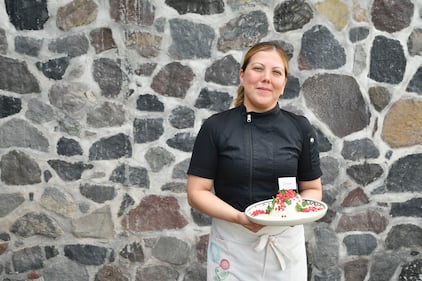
x=298 y=218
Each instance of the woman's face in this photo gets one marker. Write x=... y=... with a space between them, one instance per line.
x=263 y=81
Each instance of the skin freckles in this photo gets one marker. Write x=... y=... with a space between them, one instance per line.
x=263 y=81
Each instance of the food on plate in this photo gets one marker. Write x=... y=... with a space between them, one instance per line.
x=286 y=203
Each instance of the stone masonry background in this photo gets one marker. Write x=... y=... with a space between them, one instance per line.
x=101 y=100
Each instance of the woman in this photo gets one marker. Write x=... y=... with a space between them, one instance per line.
x=238 y=158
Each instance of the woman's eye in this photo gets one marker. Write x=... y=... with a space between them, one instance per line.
x=277 y=73
x=258 y=68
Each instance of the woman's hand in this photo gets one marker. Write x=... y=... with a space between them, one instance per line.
x=246 y=223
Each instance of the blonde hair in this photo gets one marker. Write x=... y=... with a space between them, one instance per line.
x=259 y=47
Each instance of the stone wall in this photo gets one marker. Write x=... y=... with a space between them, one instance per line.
x=100 y=102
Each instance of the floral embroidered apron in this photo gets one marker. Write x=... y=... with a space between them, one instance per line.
x=274 y=253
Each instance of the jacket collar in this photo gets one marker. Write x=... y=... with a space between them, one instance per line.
x=272 y=112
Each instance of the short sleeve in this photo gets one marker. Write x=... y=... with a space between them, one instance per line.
x=309 y=162
x=203 y=161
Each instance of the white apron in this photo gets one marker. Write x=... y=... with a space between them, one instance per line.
x=274 y=253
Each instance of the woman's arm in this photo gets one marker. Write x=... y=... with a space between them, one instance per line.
x=201 y=198
x=311 y=189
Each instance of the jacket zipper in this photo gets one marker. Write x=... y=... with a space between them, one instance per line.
x=249 y=121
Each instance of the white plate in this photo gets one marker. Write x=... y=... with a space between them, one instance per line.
x=298 y=218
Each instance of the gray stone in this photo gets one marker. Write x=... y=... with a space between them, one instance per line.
x=110 y=273
x=69 y=171
x=176 y=187
x=359 y=60
x=409 y=208
x=33 y=223
x=97 y=193
x=4 y=236
x=64 y=269
x=324 y=143
x=325 y=250
x=411 y=271
x=182 y=117
x=20 y=133
x=72 y=45
x=86 y=254
x=54 y=68
x=383 y=266
x=68 y=147
x=28 y=46
x=360 y=244
x=126 y=203
x=16 y=77
x=156 y=272
x=330 y=169
x=320 y=49
x=17 y=168
x=291 y=15
x=27 y=15
x=202 y=7
x=109 y=76
x=158 y=158
x=39 y=112
x=68 y=124
x=292 y=89
x=224 y=71
x=28 y=259
x=133 y=252
x=182 y=141
x=137 y=12
x=69 y=97
x=404 y=235
x=365 y=173
x=358 y=33
x=405 y=174
x=8 y=203
x=147 y=130
x=51 y=252
x=59 y=202
x=3 y=42
x=380 y=97
x=171 y=250
x=47 y=175
x=99 y=224
x=195 y=272
x=387 y=61
x=391 y=16
x=415 y=84
x=330 y=274
x=199 y=218
x=149 y=102
x=359 y=149
x=9 y=106
x=114 y=147
x=414 y=42
x=213 y=100
x=344 y=111
x=106 y=115
x=173 y=80
x=179 y=170
x=243 y=31
x=130 y=176
x=190 y=40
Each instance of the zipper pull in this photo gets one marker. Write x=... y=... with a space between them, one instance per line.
x=248 y=118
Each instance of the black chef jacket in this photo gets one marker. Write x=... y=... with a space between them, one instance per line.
x=246 y=152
